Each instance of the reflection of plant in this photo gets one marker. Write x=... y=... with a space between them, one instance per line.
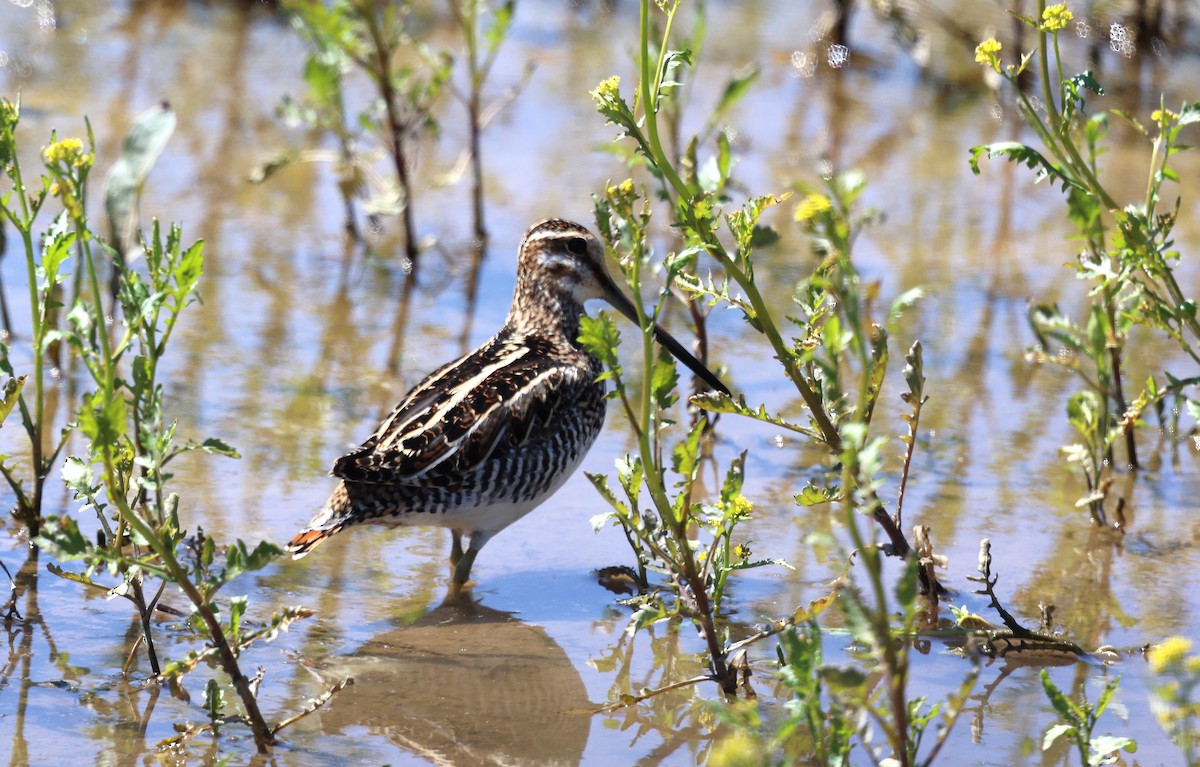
x=1176 y=700
x=1127 y=255
x=1080 y=721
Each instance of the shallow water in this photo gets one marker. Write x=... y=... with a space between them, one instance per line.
x=290 y=358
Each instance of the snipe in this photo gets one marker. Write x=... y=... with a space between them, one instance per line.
x=484 y=440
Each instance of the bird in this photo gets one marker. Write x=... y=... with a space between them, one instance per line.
x=483 y=440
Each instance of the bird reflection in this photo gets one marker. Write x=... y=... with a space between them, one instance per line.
x=465 y=684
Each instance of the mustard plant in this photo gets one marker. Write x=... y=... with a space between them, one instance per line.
x=661 y=535
x=836 y=360
x=1080 y=720
x=63 y=179
x=122 y=472
x=1127 y=259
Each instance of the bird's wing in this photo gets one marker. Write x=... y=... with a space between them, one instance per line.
x=451 y=422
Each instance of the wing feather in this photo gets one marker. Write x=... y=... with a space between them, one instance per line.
x=497 y=398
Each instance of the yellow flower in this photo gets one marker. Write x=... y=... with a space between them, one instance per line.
x=608 y=89
x=1167 y=653
x=66 y=150
x=1056 y=17
x=812 y=206
x=740 y=506
x=69 y=151
x=988 y=53
x=622 y=196
x=1158 y=115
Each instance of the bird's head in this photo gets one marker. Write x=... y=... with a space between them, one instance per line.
x=562 y=264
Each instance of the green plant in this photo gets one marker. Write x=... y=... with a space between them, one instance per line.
x=836 y=360
x=1127 y=257
x=814 y=730
x=483 y=30
x=1081 y=719
x=67 y=164
x=372 y=36
x=694 y=192
x=661 y=537
x=130 y=442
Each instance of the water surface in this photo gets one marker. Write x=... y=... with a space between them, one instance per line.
x=297 y=350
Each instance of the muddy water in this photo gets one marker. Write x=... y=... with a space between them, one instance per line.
x=298 y=348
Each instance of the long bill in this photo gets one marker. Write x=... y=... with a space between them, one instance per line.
x=617 y=299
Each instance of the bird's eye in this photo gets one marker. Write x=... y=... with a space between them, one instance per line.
x=577 y=246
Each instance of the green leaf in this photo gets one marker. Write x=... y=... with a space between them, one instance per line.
x=600 y=338
x=187 y=270
x=1054 y=733
x=211 y=446
x=495 y=31
x=811 y=495
x=1083 y=412
x=1104 y=745
x=903 y=303
x=1028 y=156
x=78 y=477
x=630 y=473
x=600 y=482
x=83 y=578
x=685 y=459
x=1062 y=704
x=1106 y=695
x=10 y=395
x=760 y=563
x=914 y=375
x=731 y=488
x=101 y=420
x=144 y=144
x=238 y=559
x=55 y=250
x=214 y=699
x=237 y=608
x=665 y=379
x=734 y=90
x=716 y=402
x=62 y=539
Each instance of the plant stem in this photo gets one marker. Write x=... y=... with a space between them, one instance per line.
x=395 y=125
x=33 y=423
x=708 y=238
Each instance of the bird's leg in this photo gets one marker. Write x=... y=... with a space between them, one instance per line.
x=456 y=551
x=462 y=568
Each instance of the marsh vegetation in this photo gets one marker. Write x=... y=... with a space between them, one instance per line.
x=944 y=261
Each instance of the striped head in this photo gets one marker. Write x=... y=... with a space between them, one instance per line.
x=566 y=259
x=560 y=266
